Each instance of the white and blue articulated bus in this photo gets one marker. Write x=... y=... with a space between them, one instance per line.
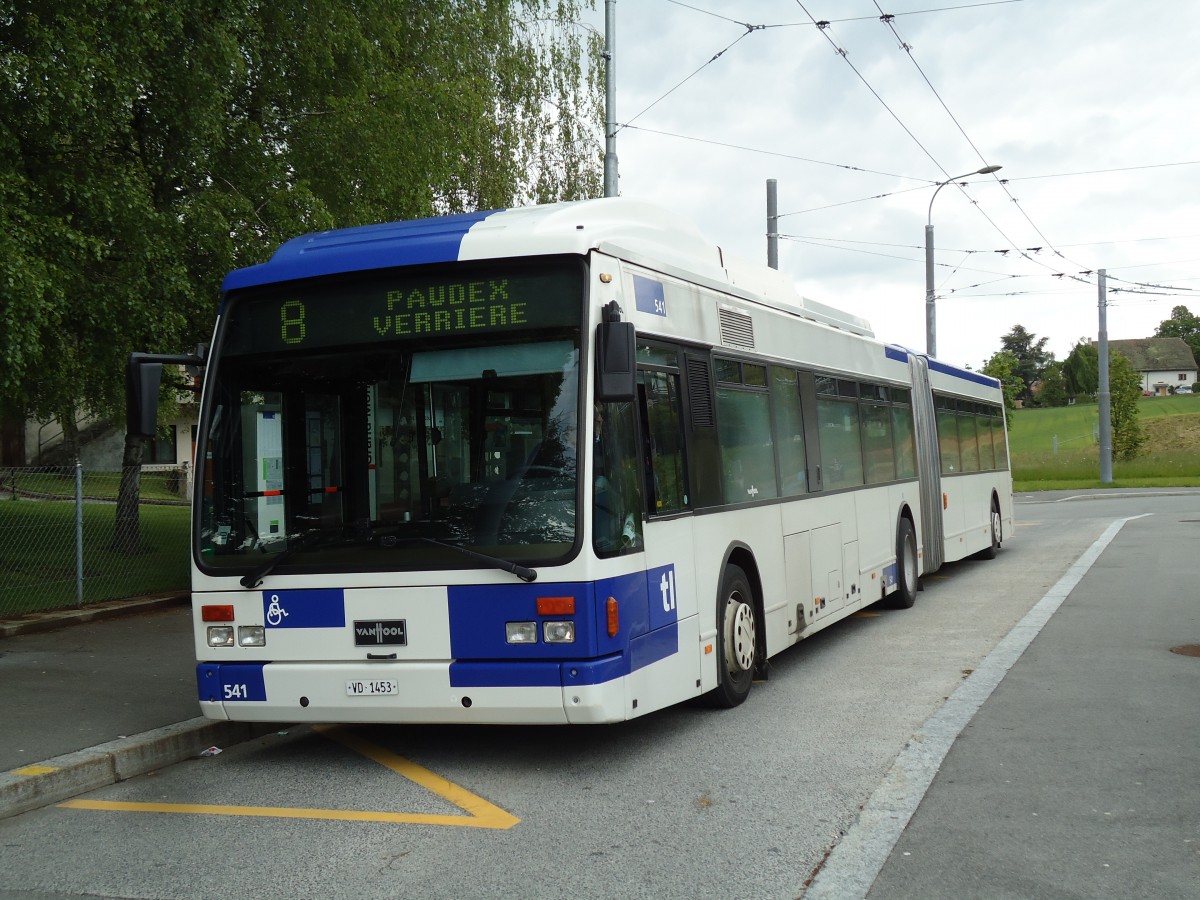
x=562 y=464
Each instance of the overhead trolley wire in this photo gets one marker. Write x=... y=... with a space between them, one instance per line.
x=911 y=12
x=750 y=29
x=818 y=162
x=823 y=27
x=889 y=21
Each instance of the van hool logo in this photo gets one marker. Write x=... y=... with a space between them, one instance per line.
x=371 y=634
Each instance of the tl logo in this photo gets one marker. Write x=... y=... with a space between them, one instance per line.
x=666 y=586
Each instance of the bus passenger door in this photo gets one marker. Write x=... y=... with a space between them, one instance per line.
x=669 y=547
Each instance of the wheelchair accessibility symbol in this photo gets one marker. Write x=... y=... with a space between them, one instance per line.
x=275 y=612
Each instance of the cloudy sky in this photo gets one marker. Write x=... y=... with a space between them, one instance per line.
x=1092 y=108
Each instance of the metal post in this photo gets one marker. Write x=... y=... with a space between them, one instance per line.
x=610 y=98
x=78 y=534
x=1104 y=395
x=930 y=311
x=772 y=223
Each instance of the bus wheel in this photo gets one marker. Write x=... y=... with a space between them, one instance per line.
x=737 y=640
x=906 y=566
x=989 y=552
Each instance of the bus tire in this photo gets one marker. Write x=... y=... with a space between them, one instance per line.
x=997 y=527
x=737 y=640
x=907 y=580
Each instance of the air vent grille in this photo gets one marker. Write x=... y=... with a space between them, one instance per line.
x=700 y=392
x=737 y=329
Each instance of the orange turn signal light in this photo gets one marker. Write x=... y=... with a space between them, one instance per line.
x=614 y=620
x=556 y=606
x=215 y=613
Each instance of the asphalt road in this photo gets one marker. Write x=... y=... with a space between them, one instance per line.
x=748 y=803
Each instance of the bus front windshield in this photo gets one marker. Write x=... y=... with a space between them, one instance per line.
x=392 y=421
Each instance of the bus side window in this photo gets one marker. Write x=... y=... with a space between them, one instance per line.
x=788 y=431
x=616 y=499
x=662 y=424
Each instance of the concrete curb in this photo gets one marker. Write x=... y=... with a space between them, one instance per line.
x=66 y=776
x=61 y=618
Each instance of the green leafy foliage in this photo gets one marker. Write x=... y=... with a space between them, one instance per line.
x=1081 y=369
x=1125 y=391
x=1184 y=325
x=1031 y=355
x=1003 y=365
x=148 y=147
x=1054 y=386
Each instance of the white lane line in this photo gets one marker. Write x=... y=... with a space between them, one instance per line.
x=1029 y=501
x=854 y=864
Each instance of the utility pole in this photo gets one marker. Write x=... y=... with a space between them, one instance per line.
x=1104 y=396
x=772 y=224
x=930 y=306
x=610 y=98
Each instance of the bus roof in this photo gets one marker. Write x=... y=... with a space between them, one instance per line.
x=627 y=229
x=557 y=228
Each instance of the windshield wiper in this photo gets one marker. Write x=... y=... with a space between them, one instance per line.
x=495 y=562
x=316 y=539
x=305 y=542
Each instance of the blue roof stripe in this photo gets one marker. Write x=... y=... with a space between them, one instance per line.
x=965 y=375
x=897 y=352
x=410 y=243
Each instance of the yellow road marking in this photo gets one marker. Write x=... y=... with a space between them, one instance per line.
x=473 y=805
x=286 y=812
x=479 y=812
x=34 y=770
x=866 y=615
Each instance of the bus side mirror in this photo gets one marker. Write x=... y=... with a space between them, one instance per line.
x=616 y=376
x=143 y=376
x=142 y=379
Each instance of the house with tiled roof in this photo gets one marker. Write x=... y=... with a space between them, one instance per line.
x=1163 y=362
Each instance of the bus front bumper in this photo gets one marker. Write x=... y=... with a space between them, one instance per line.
x=588 y=692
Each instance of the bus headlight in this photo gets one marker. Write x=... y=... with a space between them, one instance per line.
x=559 y=632
x=252 y=636
x=220 y=635
x=521 y=632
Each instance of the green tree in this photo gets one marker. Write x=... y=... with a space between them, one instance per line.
x=147 y=147
x=1031 y=354
x=1081 y=369
x=1003 y=366
x=1184 y=325
x=1054 y=386
x=1125 y=391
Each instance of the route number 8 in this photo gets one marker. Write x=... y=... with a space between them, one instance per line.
x=291 y=317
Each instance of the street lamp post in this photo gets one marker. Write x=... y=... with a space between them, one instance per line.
x=930 y=309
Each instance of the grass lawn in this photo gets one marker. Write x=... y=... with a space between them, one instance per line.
x=60 y=483
x=1171 y=457
x=37 y=554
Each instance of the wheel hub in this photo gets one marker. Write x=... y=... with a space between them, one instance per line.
x=739 y=636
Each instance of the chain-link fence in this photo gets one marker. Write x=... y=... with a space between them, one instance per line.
x=66 y=540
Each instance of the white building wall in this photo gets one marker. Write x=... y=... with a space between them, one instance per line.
x=1158 y=381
